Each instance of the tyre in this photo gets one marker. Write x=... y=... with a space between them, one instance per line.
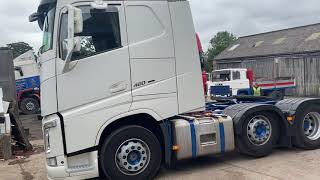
x=276 y=95
x=131 y=153
x=29 y=106
x=308 y=129
x=260 y=132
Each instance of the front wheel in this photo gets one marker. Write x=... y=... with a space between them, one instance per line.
x=131 y=153
x=260 y=131
x=308 y=129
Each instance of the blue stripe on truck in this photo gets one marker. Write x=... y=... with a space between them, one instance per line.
x=193 y=139
x=222 y=138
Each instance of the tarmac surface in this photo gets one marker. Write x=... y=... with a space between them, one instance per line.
x=283 y=164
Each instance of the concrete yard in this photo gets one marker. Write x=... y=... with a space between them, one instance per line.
x=283 y=164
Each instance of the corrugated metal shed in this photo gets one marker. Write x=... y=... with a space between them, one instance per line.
x=288 y=41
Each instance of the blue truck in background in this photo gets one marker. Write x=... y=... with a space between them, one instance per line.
x=27 y=84
x=28 y=94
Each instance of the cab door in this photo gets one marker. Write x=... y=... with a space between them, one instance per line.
x=98 y=85
x=239 y=81
x=152 y=57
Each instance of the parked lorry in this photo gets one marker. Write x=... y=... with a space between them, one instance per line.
x=99 y=122
x=28 y=83
x=230 y=82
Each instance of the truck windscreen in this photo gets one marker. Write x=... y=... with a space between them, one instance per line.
x=221 y=76
x=48 y=28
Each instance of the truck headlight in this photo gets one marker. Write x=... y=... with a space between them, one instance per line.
x=52 y=162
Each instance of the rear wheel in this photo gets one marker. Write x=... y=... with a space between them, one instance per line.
x=131 y=153
x=29 y=106
x=260 y=132
x=308 y=129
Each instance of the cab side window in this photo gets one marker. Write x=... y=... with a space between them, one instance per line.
x=236 y=75
x=101 y=32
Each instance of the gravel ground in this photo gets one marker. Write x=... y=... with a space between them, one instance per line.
x=283 y=164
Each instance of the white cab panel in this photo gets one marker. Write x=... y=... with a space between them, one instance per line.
x=189 y=76
x=149 y=29
x=153 y=66
x=165 y=105
x=48 y=97
x=95 y=78
x=90 y=118
x=48 y=84
x=158 y=74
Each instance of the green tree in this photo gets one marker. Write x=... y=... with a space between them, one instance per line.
x=218 y=43
x=19 y=48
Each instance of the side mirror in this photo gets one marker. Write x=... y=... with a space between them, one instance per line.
x=75 y=26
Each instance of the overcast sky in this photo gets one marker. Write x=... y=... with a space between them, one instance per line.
x=240 y=17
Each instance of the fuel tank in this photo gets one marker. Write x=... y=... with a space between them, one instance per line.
x=196 y=135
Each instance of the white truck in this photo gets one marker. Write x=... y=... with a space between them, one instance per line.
x=122 y=94
x=236 y=82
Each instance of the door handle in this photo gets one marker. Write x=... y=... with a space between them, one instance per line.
x=118 y=87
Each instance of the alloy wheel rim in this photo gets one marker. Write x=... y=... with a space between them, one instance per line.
x=311 y=123
x=132 y=157
x=259 y=130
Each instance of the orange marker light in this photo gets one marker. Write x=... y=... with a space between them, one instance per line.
x=290 y=118
x=175 y=148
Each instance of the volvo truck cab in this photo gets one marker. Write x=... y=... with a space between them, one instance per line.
x=109 y=63
x=122 y=93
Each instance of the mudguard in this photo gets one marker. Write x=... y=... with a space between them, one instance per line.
x=294 y=107
x=240 y=112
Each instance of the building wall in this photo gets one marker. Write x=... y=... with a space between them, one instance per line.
x=304 y=68
x=306 y=71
